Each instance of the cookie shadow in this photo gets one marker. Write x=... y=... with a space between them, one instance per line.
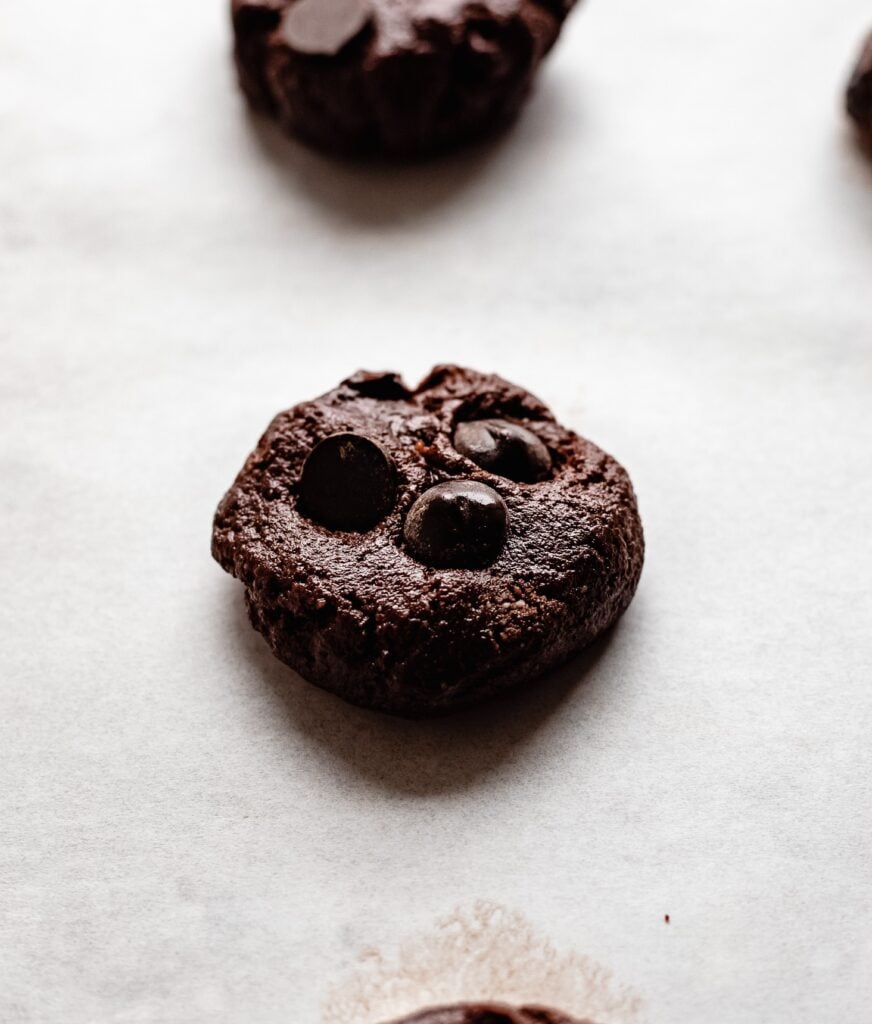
x=859 y=149
x=416 y=757
x=848 y=181
x=377 y=193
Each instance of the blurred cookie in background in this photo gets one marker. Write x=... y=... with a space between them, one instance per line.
x=490 y=1013
x=859 y=96
x=395 y=77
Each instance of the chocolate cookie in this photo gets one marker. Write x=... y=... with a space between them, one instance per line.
x=401 y=77
x=490 y=1013
x=418 y=549
x=859 y=97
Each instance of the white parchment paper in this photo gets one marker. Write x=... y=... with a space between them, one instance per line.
x=674 y=249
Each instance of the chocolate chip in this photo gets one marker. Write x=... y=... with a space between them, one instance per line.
x=253 y=18
x=460 y=523
x=347 y=483
x=323 y=26
x=383 y=386
x=504 y=448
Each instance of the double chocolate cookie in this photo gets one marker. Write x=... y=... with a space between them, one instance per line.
x=859 y=96
x=415 y=550
x=402 y=77
x=490 y=1013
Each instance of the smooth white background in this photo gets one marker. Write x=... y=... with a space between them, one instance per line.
x=673 y=248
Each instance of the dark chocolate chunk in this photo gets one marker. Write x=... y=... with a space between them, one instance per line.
x=385 y=386
x=504 y=448
x=323 y=26
x=347 y=483
x=859 y=98
x=255 y=19
x=459 y=523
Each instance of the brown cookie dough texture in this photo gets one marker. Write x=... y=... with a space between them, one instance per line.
x=367 y=613
x=859 y=97
x=400 y=77
x=489 y=1013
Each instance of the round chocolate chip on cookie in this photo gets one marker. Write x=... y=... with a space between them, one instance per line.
x=401 y=77
x=504 y=448
x=347 y=482
x=418 y=549
x=459 y=522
